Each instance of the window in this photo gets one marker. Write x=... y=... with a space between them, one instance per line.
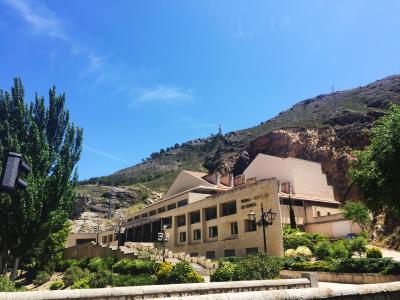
x=328 y=213
x=213 y=231
x=229 y=252
x=293 y=201
x=194 y=254
x=182 y=237
x=229 y=208
x=104 y=240
x=152 y=212
x=249 y=226
x=167 y=221
x=210 y=254
x=180 y=220
x=211 y=213
x=196 y=234
x=250 y=251
x=234 y=228
x=110 y=238
x=136 y=218
x=171 y=206
x=144 y=215
x=130 y=219
x=161 y=209
x=195 y=217
x=318 y=213
x=182 y=202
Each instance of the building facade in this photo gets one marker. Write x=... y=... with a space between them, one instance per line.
x=208 y=215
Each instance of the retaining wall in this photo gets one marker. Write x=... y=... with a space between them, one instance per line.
x=354 y=278
x=162 y=291
x=94 y=250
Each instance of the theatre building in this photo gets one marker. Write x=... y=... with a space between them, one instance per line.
x=208 y=215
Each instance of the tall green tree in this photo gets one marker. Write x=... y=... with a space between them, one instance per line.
x=376 y=171
x=357 y=212
x=51 y=145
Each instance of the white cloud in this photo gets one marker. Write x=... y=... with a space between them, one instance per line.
x=104 y=154
x=164 y=94
x=95 y=62
x=240 y=33
x=41 y=19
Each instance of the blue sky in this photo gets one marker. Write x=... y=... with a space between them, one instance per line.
x=143 y=75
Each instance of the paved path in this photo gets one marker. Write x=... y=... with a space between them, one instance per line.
x=391 y=253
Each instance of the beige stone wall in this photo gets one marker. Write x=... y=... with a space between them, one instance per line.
x=334 y=228
x=248 y=197
x=73 y=237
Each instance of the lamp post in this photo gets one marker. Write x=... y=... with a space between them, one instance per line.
x=267 y=218
x=163 y=241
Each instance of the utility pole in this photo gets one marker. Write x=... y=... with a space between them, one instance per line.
x=110 y=194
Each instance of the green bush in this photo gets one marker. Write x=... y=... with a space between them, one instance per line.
x=257 y=267
x=73 y=274
x=374 y=253
x=163 y=272
x=367 y=265
x=95 y=264
x=339 y=250
x=287 y=230
x=63 y=265
x=321 y=266
x=41 y=278
x=290 y=253
x=392 y=268
x=56 y=285
x=82 y=283
x=83 y=263
x=182 y=272
x=109 y=261
x=323 y=250
x=134 y=266
x=224 y=272
x=6 y=285
x=295 y=241
x=359 y=245
x=304 y=252
x=100 y=279
x=130 y=280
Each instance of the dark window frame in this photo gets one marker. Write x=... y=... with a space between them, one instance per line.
x=228 y=208
x=198 y=236
x=213 y=232
x=209 y=215
x=195 y=217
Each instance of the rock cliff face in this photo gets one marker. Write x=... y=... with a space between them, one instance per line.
x=329 y=146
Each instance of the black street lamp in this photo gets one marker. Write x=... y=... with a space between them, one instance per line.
x=267 y=218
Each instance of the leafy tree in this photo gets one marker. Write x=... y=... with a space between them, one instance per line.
x=358 y=213
x=52 y=146
x=376 y=171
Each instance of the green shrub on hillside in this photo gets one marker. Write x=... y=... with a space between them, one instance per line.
x=56 y=285
x=374 y=253
x=163 y=272
x=339 y=250
x=182 y=272
x=134 y=266
x=83 y=263
x=63 y=265
x=257 y=267
x=95 y=264
x=41 y=278
x=323 y=250
x=131 y=280
x=6 y=285
x=224 y=272
x=73 y=274
x=359 y=245
x=314 y=266
x=293 y=242
x=81 y=284
x=100 y=279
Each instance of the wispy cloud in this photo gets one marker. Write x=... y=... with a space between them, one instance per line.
x=163 y=94
x=41 y=19
x=187 y=122
x=104 y=154
x=240 y=33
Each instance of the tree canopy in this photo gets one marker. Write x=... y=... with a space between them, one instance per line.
x=358 y=213
x=376 y=171
x=34 y=221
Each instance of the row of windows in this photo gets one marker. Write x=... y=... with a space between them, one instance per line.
x=213 y=231
x=227 y=209
x=230 y=252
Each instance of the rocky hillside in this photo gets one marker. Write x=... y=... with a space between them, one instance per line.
x=325 y=129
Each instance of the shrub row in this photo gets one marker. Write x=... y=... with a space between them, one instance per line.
x=252 y=267
x=182 y=272
x=348 y=265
